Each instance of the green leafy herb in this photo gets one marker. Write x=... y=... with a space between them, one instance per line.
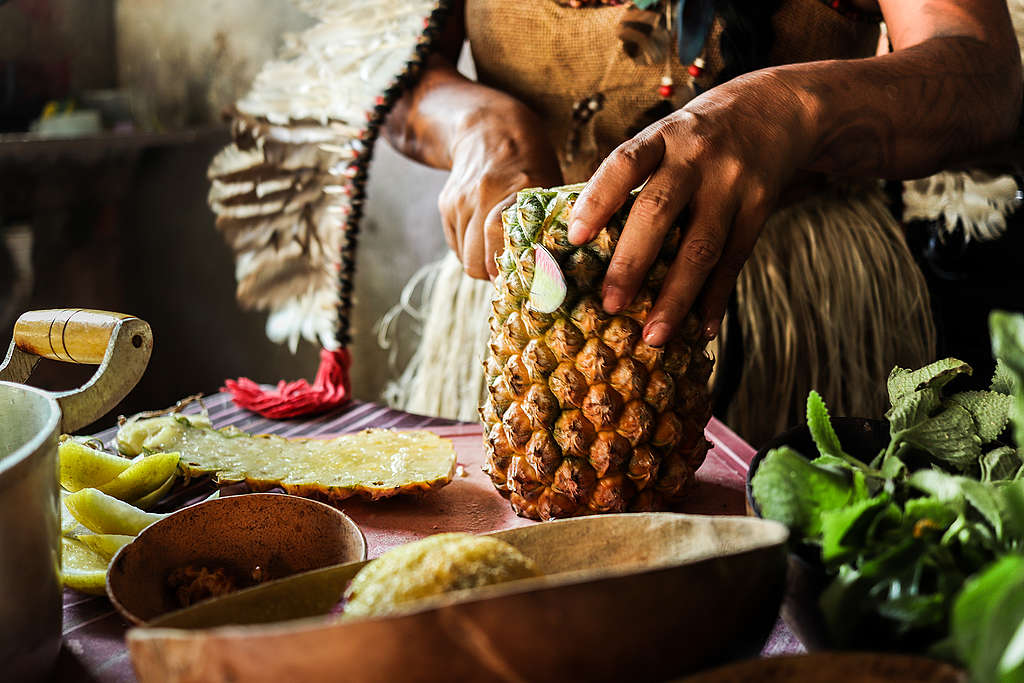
x=1008 y=346
x=1003 y=381
x=902 y=533
x=795 y=492
x=902 y=382
x=820 y=426
x=920 y=418
x=989 y=409
x=1000 y=464
x=988 y=623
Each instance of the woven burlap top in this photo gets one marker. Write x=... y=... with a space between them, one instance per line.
x=550 y=56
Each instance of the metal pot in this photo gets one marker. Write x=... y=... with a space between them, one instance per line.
x=30 y=422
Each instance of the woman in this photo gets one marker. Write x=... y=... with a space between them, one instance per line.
x=782 y=98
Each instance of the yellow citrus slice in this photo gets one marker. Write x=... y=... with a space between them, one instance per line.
x=81 y=568
x=105 y=514
x=105 y=545
x=142 y=477
x=150 y=499
x=82 y=466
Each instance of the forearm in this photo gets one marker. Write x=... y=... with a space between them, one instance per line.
x=908 y=113
x=428 y=120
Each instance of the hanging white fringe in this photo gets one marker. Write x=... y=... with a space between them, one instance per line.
x=977 y=202
x=974 y=201
x=445 y=376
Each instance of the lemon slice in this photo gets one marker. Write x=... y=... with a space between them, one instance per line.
x=105 y=545
x=142 y=477
x=150 y=499
x=107 y=515
x=81 y=568
x=83 y=467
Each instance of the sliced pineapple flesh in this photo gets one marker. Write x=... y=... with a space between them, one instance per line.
x=376 y=463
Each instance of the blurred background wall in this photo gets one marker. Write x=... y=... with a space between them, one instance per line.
x=120 y=221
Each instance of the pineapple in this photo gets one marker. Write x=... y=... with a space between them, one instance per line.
x=373 y=464
x=581 y=415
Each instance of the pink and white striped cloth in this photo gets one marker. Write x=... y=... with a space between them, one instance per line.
x=94 y=647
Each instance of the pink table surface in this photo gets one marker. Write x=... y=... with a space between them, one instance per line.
x=94 y=633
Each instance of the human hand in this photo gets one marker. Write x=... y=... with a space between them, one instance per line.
x=494 y=156
x=725 y=157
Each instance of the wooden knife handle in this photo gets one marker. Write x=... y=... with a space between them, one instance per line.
x=72 y=335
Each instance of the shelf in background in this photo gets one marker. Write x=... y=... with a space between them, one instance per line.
x=27 y=148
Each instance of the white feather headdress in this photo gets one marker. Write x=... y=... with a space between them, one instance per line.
x=288 y=192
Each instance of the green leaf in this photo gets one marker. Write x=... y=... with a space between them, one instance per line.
x=982 y=498
x=820 y=426
x=939 y=485
x=892 y=466
x=1007 y=330
x=990 y=410
x=1011 y=664
x=1010 y=496
x=912 y=409
x=1000 y=464
x=791 y=490
x=986 y=620
x=845 y=529
x=1003 y=380
x=833 y=462
x=843 y=603
x=924 y=515
x=902 y=382
x=949 y=436
x=914 y=610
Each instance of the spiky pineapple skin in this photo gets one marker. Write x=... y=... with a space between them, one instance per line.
x=581 y=415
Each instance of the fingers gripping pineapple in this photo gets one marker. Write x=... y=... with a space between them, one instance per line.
x=582 y=416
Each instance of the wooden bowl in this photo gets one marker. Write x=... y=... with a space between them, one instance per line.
x=806 y=577
x=281 y=534
x=631 y=597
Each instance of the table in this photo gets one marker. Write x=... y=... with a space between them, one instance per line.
x=94 y=633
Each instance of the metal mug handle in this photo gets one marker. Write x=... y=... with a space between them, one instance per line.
x=119 y=344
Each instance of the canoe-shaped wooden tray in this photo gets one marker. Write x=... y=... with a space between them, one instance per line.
x=637 y=597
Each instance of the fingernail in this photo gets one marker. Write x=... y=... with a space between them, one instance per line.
x=656 y=334
x=711 y=329
x=613 y=300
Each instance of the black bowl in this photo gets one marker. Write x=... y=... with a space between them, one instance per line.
x=806 y=576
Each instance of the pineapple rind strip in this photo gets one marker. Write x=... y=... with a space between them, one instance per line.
x=373 y=464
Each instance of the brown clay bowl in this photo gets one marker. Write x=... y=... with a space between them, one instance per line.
x=806 y=577
x=281 y=534
x=631 y=597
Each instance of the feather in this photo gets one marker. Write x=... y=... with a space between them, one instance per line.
x=973 y=201
x=282 y=190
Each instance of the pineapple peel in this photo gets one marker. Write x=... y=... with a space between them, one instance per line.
x=548 y=289
x=376 y=463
